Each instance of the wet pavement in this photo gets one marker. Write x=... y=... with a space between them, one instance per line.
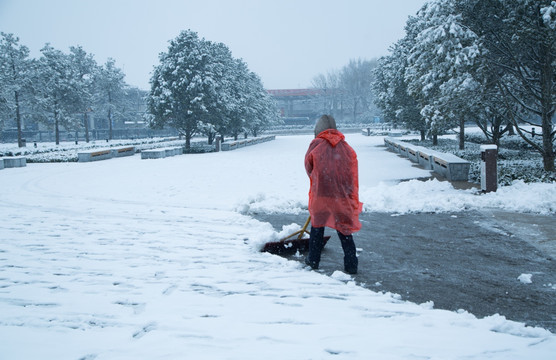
x=465 y=260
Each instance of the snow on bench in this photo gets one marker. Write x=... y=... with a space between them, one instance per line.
x=161 y=152
x=94 y=155
x=13 y=162
x=125 y=151
x=450 y=166
x=232 y=145
x=103 y=154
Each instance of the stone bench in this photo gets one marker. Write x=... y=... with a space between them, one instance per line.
x=228 y=146
x=448 y=165
x=389 y=143
x=13 y=162
x=94 y=155
x=173 y=151
x=451 y=167
x=232 y=145
x=397 y=145
x=425 y=158
x=413 y=153
x=103 y=154
x=153 y=154
x=161 y=152
x=124 y=151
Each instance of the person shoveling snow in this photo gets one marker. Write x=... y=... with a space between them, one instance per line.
x=331 y=165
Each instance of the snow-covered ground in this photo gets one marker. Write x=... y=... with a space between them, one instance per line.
x=158 y=259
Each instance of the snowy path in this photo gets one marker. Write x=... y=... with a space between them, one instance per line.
x=137 y=259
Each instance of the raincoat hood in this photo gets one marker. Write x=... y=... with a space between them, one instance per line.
x=334 y=137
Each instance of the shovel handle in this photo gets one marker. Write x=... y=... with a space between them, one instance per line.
x=300 y=233
x=304 y=229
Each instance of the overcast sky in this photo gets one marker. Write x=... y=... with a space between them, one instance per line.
x=286 y=42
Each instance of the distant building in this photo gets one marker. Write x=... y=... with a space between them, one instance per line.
x=298 y=106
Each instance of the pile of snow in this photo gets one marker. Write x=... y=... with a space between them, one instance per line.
x=150 y=259
x=440 y=196
x=526 y=278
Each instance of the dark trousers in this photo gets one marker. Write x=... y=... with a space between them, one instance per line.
x=316 y=243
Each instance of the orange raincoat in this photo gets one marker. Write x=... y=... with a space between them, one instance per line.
x=334 y=194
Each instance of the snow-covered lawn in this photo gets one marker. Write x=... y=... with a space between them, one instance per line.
x=158 y=259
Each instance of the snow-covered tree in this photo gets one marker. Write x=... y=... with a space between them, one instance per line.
x=242 y=111
x=58 y=94
x=84 y=68
x=184 y=85
x=226 y=116
x=110 y=92
x=200 y=87
x=263 y=109
x=14 y=77
x=390 y=89
x=521 y=40
x=441 y=66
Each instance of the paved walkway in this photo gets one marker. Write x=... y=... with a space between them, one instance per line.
x=467 y=260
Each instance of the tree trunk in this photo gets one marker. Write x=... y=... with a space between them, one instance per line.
x=110 y=123
x=86 y=123
x=56 y=127
x=423 y=133
x=510 y=128
x=547 y=110
x=435 y=139
x=18 y=120
x=462 y=134
x=210 y=137
x=188 y=136
x=496 y=134
x=548 y=162
x=548 y=142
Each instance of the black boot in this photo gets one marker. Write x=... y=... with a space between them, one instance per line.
x=350 y=253
x=315 y=247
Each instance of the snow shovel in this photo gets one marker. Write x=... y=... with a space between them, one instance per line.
x=292 y=243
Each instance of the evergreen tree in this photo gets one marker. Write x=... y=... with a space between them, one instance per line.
x=441 y=66
x=110 y=92
x=200 y=88
x=263 y=109
x=224 y=104
x=84 y=68
x=58 y=94
x=521 y=40
x=14 y=79
x=390 y=88
x=182 y=85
